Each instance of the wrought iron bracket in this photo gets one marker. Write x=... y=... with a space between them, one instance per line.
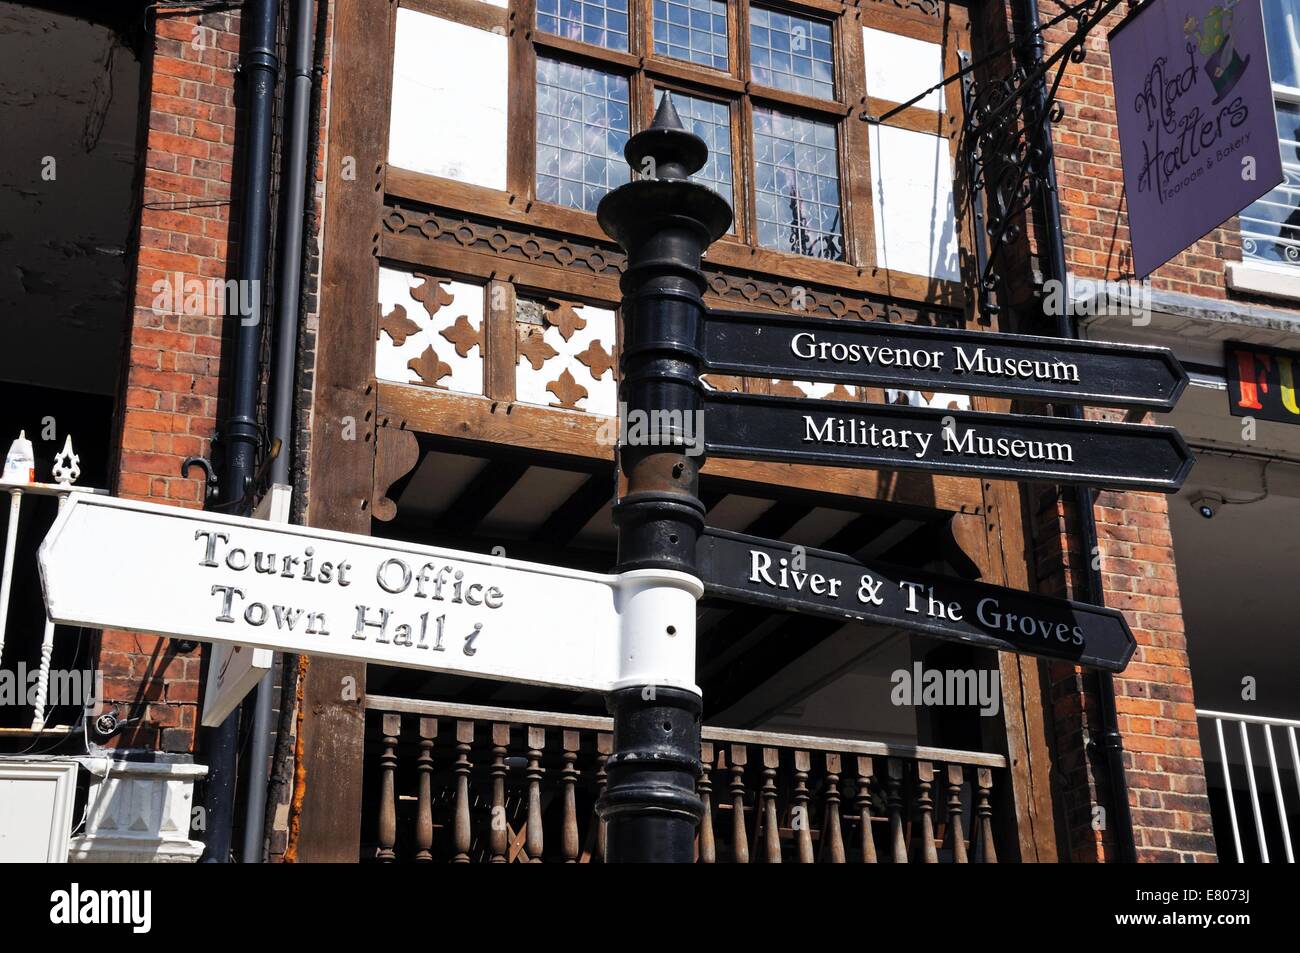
x=1005 y=150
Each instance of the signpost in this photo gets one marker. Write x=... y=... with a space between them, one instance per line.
x=965 y=443
x=914 y=357
x=122 y=564
x=771 y=573
x=267 y=585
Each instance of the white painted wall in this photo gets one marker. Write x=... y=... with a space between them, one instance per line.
x=449 y=100
x=898 y=67
x=916 y=230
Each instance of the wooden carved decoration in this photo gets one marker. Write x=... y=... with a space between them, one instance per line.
x=731 y=289
x=464 y=336
x=438 y=343
x=596 y=359
x=432 y=295
x=920 y=398
x=534 y=349
x=430 y=368
x=398 y=326
x=568 y=358
x=397 y=451
x=723 y=382
x=568 y=390
x=562 y=316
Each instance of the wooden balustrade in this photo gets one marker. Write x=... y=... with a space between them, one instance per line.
x=468 y=784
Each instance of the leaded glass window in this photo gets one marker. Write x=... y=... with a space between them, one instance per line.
x=693 y=30
x=583 y=122
x=1270 y=227
x=711 y=121
x=598 y=22
x=797 y=185
x=791 y=52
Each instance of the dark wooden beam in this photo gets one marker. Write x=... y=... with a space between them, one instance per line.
x=854 y=535
x=791 y=639
x=777 y=520
x=573 y=514
x=480 y=497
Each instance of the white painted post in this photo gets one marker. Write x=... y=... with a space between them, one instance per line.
x=47 y=655
x=6 y=581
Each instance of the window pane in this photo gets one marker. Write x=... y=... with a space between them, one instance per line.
x=583 y=121
x=711 y=121
x=694 y=30
x=1282 y=26
x=797 y=185
x=598 y=22
x=1270 y=228
x=791 y=52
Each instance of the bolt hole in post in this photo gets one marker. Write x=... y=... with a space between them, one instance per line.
x=672 y=630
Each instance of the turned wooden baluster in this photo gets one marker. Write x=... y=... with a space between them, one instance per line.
x=800 y=815
x=604 y=748
x=986 y=854
x=894 y=804
x=739 y=839
x=832 y=845
x=865 y=772
x=771 y=830
x=568 y=779
x=705 y=849
x=533 y=843
x=498 y=835
x=460 y=826
x=392 y=726
x=956 y=836
x=424 y=807
x=925 y=810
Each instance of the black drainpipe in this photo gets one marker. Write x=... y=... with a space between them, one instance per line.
x=1112 y=743
x=258 y=70
x=287 y=285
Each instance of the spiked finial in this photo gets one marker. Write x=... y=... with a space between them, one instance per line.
x=666 y=150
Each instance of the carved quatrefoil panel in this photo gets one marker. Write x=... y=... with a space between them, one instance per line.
x=918 y=398
x=430 y=331
x=815 y=389
x=567 y=356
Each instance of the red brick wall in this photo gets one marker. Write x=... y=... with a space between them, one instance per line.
x=1154 y=702
x=171 y=378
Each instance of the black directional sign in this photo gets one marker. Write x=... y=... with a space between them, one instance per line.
x=771 y=573
x=964 y=443
x=913 y=357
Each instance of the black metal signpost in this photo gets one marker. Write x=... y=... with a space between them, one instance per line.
x=770 y=572
x=967 y=443
x=915 y=357
x=665 y=222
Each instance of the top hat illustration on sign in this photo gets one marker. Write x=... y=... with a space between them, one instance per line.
x=1214 y=38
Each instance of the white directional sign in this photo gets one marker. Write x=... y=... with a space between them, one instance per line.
x=121 y=564
x=235 y=670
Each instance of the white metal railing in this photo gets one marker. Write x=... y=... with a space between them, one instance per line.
x=65 y=468
x=1288 y=726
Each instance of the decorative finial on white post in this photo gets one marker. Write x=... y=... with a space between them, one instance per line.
x=67 y=465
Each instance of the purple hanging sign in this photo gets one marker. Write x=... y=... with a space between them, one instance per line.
x=1197 y=130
